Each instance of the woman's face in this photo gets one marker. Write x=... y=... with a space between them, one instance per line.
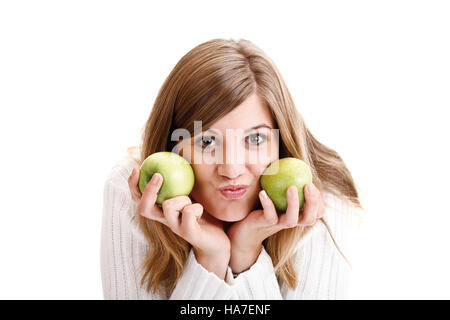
x=231 y=153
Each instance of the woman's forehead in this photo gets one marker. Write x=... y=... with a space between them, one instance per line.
x=249 y=115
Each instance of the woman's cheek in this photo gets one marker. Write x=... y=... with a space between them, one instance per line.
x=256 y=171
x=265 y=155
x=203 y=177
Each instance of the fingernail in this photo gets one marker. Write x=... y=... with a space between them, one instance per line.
x=264 y=194
x=155 y=179
x=312 y=188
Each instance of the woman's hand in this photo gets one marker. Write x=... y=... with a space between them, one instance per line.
x=247 y=235
x=205 y=233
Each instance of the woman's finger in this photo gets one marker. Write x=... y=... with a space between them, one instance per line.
x=290 y=218
x=172 y=208
x=311 y=206
x=147 y=206
x=270 y=213
x=189 y=219
x=133 y=185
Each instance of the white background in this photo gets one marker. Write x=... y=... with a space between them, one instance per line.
x=78 y=80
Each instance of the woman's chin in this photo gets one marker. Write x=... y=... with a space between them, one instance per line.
x=230 y=217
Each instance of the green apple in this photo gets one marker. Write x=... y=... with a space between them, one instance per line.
x=280 y=175
x=178 y=175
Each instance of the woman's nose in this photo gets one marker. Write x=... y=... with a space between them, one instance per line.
x=233 y=158
x=230 y=170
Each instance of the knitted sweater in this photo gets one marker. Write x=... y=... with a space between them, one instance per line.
x=322 y=270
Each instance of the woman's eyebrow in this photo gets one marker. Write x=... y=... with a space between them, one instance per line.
x=262 y=125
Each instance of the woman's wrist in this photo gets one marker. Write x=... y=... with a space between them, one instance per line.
x=216 y=263
x=242 y=258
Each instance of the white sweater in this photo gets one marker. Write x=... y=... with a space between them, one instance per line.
x=322 y=270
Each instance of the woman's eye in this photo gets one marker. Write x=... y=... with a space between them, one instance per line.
x=256 y=139
x=206 y=141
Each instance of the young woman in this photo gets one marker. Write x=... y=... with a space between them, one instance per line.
x=210 y=245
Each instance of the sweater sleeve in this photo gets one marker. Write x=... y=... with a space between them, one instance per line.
x=259 y=281
x=124 y=248
x=197 y=283
x=323 y=255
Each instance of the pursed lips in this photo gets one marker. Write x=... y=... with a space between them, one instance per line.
x=231 y=192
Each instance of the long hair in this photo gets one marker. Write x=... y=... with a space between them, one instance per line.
x=206 y=84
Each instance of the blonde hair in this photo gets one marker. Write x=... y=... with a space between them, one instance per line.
x=205 y=85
